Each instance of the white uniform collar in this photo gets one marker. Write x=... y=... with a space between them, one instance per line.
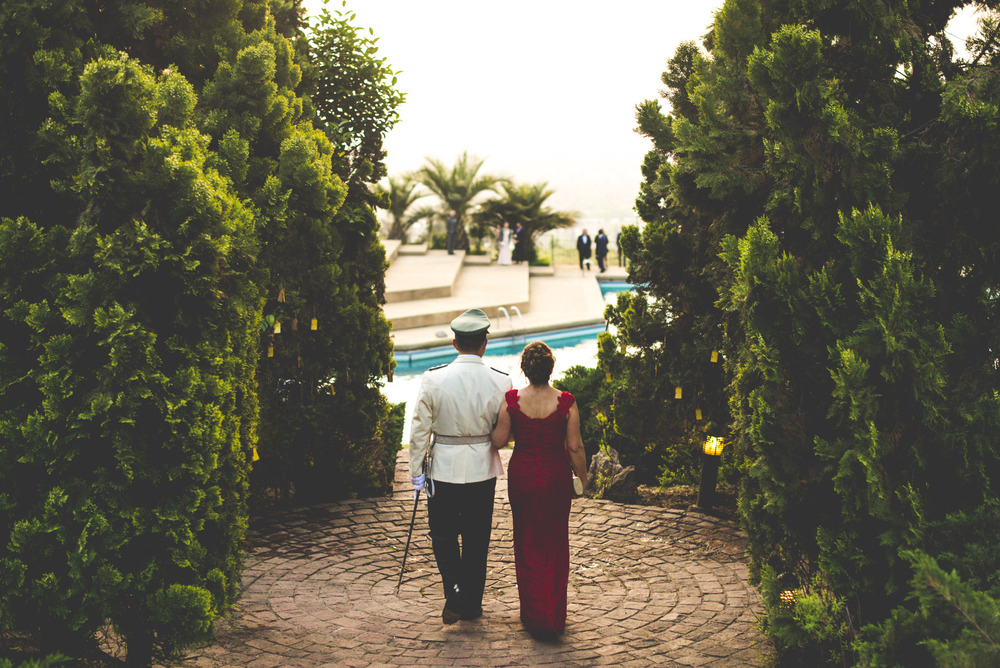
x=469 y=357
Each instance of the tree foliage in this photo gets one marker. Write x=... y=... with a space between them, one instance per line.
x=818 y=209
x=402 y=194
x=325 y=340
x=161 y=177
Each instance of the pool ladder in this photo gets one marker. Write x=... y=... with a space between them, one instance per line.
x=510 y=324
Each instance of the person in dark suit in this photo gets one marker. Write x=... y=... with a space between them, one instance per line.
x=601 y=250
x=451 y=227
x=583 y=248
x=520 y=243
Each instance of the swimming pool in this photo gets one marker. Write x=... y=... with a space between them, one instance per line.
x=418 y=361
x=575 y=346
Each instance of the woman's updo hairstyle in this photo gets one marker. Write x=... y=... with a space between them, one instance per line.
x=536 y=362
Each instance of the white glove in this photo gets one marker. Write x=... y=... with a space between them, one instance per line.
x=418 y=484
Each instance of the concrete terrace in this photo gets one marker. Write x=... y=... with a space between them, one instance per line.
x=426 y=289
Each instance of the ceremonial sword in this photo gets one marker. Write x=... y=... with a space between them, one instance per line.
x=416 y=504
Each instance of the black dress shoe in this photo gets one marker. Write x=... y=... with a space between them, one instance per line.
x=469 y=615
x=452 y=605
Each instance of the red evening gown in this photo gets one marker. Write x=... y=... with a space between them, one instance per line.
x=540 y=489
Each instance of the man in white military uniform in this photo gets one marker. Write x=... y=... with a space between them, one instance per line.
x=458 y=404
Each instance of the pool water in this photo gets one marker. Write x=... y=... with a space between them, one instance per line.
x=571 y=347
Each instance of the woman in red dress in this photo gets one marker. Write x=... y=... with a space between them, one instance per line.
x=546 y=427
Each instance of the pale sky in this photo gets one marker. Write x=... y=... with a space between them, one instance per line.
x=543 y=90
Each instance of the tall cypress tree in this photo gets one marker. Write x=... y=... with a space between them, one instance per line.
x=152 y=160
x=326 y=340
x=858 y=302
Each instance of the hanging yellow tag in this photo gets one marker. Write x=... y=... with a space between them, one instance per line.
x=697 y=414
x=314 y=324
x=281 y=295
x=607 y=376
x=270 y=351
x=277 y=327
x=256 y=457
x=295 y=324
x=623 y=347
x=715 y=356
x=677 y=392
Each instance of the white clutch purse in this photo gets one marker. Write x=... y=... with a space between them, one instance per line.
x=577 y=485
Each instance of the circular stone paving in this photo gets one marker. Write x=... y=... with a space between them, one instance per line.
x=647 y=586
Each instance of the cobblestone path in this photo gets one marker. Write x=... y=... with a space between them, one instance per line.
x=647 y=587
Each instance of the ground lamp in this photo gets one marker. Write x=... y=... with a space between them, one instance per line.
x=711 y=455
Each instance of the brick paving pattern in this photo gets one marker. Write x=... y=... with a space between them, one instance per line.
x=647 y=586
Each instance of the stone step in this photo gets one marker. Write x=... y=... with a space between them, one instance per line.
x=487 y=287
x=391 y=248
x=418 y=277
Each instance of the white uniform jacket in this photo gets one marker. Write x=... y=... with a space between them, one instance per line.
x=461 y=399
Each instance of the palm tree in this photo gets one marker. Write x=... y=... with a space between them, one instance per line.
x=525 y=204
x=457 y=187
x=402 y=194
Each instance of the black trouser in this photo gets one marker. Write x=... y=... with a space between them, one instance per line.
x=465 y=510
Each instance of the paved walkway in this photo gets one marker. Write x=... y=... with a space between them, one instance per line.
x=647 y=586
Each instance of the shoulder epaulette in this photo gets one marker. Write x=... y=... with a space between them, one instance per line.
x=499 y=371
x=439 y=366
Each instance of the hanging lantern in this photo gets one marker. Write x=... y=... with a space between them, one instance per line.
x=281 y=295
x=677 y=392
x=697 y=414
x=270 y=351
x=715 y=356
x=277 y=327
x=314 y=324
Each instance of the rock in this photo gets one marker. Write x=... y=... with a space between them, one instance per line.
x=610 y=480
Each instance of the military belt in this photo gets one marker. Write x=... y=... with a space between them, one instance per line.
x=440 y=439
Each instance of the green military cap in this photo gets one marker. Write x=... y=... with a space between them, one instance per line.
x=473 y=321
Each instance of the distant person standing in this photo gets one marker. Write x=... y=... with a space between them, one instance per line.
x=583 y=249
x=504 y=244
x=601 y=250
x=451 y=227
x=520 y=243
x=618 y=244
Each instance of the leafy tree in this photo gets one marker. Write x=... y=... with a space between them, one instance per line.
x=703 y=178
x=457 y=188
x=326 y=340
x=840 y=157
x=524 y=204
x=149 y=202
x=402 y=195
x=128 y=351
